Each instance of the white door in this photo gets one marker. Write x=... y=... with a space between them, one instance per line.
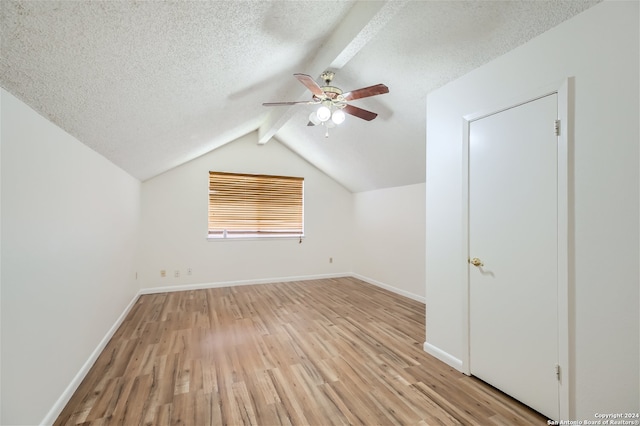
x=513 y=231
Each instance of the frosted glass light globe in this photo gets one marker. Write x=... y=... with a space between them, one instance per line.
x=338 y=116
x=313 y=117
x=324 y=113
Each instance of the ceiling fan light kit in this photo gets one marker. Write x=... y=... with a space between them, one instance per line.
x=334 y=103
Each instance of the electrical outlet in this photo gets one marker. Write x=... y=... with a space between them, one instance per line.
x=176 y=274
x=163 y=273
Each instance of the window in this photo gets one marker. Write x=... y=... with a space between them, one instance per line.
x=245 y=205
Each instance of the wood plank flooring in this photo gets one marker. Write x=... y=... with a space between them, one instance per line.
x=321 y=352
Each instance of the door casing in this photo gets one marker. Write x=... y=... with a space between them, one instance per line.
x=564 y=90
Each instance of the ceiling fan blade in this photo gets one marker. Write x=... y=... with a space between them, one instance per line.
x=289 y=103
x=365 y=92
x=311 y=84
x=359 y=112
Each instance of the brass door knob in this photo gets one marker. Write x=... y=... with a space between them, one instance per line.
x=476 y=262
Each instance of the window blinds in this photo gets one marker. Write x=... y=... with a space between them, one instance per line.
x=244 y=205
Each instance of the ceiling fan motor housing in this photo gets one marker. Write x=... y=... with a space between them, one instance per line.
x=331 y=92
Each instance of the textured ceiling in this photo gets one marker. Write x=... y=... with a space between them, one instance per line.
x=151 y=85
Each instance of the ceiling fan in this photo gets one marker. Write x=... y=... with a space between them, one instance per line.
x=334 y=102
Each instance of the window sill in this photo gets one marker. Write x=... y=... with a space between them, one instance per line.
x=256 y=238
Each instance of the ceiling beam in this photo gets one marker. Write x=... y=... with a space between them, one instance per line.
x=363 y=21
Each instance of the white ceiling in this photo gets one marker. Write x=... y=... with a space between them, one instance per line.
x=151 y=85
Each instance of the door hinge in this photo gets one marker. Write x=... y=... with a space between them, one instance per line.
x=558 y=372
x=556 y=127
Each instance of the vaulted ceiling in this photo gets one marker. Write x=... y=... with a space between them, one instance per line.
x=151 y=85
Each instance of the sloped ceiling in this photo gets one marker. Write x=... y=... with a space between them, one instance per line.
x=151 y=85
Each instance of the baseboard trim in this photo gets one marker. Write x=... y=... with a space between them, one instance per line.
x=443 y=356
x=201 y=286
x=390 y=288
x=62 y=401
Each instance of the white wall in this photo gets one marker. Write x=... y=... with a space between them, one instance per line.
x=69 y=223
x=174 y=223
x=389 y=238
x=600 y=47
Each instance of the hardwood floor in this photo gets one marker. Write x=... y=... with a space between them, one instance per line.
x=321 y=352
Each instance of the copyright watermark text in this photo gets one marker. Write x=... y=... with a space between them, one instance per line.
x=602 y=419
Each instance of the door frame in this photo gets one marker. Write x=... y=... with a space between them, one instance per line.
x=566 y=288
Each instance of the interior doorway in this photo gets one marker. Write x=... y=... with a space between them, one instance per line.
x=516 y=237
